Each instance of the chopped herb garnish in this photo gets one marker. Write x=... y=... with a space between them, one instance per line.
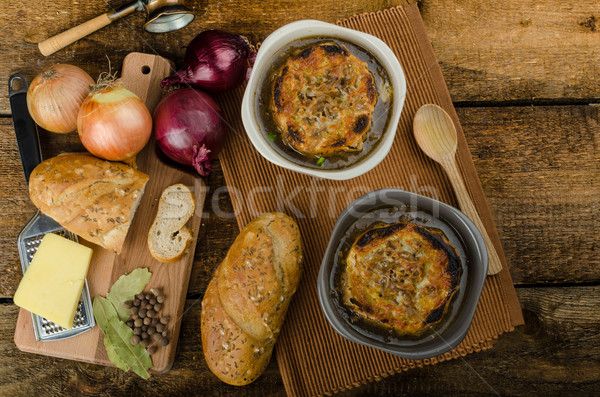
x=320 y=161
x=272 y=137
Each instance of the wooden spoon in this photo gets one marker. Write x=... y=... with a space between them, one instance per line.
x=436 y=135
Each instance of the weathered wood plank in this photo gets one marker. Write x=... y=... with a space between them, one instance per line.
x=489 y=50
x=500 y=51
x=32 y=22
x=540 y=170
x=539 y=167
x=557 y=352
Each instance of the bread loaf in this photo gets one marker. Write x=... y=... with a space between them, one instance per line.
x=92 y=198
x=168 y=237
x=245 y=302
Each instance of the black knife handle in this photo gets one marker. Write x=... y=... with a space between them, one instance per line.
x=25 y=128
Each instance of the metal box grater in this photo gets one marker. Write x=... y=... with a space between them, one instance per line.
x=29 y=241
x=32 y=234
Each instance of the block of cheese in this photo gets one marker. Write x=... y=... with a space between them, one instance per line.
x=52 y=284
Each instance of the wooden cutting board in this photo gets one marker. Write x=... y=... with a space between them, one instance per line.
x=141 y=74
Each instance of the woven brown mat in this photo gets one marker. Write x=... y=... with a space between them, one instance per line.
x=312 y=357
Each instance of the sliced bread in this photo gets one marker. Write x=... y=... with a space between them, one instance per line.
x=168 y=237
x=90 y=197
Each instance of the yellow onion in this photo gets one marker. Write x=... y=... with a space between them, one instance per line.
x=113 y=123
x=55 y=96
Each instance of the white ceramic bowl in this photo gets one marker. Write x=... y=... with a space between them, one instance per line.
x=286 y=35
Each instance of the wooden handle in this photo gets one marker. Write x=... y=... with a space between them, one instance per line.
x=468 y=208
x=142 y=74
x=61 y=40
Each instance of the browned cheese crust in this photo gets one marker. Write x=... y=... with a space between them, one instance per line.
x=401 y=277
x=323 y=99
x=92 y=198
x=245 y=304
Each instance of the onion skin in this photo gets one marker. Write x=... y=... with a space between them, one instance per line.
x=55 y=96
x=215 y=61
x=189 y=128
x=114 y=124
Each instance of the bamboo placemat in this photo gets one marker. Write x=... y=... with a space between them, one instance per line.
x=312 y=357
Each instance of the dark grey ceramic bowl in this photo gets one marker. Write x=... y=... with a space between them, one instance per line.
x=392 y=205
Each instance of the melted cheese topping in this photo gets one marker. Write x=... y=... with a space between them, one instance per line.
x=323 y=98
x=401 y=276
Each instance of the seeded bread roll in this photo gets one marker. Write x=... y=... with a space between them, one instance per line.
x=245 y=303
x=93 y=198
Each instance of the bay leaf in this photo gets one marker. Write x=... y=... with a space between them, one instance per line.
x=126 y=288
x=119 y=335
x=113 y=356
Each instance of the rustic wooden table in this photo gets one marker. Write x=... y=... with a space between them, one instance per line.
x=524 y=78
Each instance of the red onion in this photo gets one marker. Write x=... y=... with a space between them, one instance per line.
x=215 y=61
x=189 y=128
